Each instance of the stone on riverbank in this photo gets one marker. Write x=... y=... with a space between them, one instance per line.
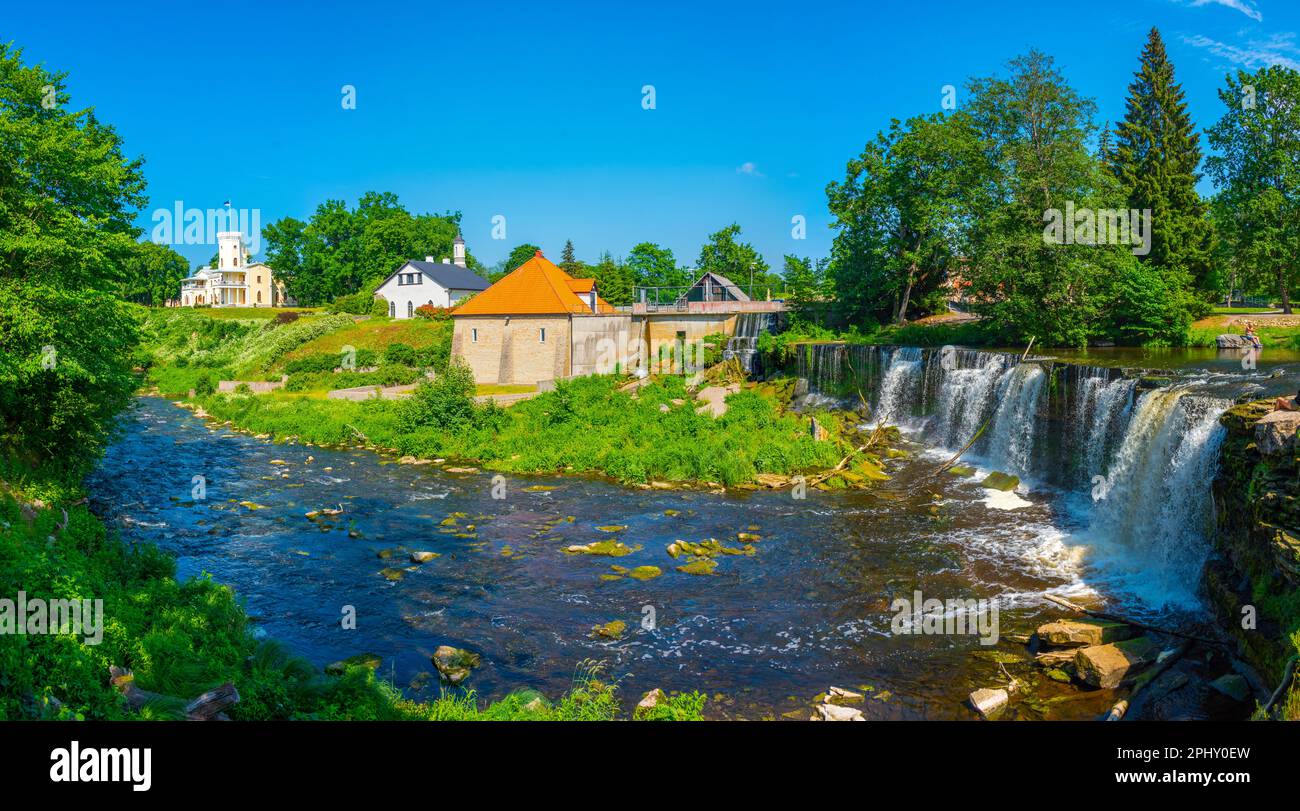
x=1106 y=666
x=1077 y=633
x=1230 y=341
x=454 y=664
x=1275 y=432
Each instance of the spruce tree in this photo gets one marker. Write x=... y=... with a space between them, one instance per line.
x=1155 y=156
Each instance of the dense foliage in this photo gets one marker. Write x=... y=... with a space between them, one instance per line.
x=68 y=196
x=344 y=251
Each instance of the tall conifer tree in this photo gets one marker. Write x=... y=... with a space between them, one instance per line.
x=1155 y=156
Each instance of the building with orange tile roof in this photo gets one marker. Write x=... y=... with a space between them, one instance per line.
x=539 y=324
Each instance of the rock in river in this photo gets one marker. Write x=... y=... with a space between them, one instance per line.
x=454 y=663
x=1076 y=633
x=1108 y=665
x=989 y=702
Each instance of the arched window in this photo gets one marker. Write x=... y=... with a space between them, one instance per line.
x=410 y=309
x=259 y=296
x=392 y=309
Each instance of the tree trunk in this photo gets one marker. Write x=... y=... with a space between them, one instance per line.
x=907 y=295
x=1286 y=293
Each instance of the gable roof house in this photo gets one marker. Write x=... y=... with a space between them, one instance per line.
x=536 y=324
x=441 y=284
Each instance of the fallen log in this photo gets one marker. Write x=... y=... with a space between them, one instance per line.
x=1103 y=615
x=1287 y=678
x=209 y=705
x=206 y=707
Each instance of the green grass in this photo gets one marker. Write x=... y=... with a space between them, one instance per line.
x=1242 y=310
x=584 y=426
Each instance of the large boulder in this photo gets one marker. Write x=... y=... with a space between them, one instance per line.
x=1230 y=341
x=834 y=712
x=1075 y=633
x=1107 y=665
x=1275 y=432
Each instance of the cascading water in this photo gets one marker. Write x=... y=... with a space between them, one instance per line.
x=901 y=384
x=743 y=345
x=1011 y=443
x=1064 y=427
x=1152 y=506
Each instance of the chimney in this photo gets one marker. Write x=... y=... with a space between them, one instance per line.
x=428 y=258
x=446 y=261
x=458 y=250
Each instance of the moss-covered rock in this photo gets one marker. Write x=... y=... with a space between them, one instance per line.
x=997 y=480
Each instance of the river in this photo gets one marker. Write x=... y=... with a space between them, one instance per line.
x=764 y=634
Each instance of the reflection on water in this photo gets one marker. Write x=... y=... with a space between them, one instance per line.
x=810 y=609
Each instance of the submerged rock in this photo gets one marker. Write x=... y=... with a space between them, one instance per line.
x=699 y=566
x=454 y=664
x=424 y=557
x=392 y=574
x=613 y=549
x=610 y=630
x=644 y=573
x=370 y=660
x=997 y=480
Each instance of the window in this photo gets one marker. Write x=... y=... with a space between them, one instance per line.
x=543 y=335
x=259 y=296
x=473 y=336
x=410 y=309
x=392 y=309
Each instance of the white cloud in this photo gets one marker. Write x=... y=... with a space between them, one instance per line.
x=748 y=168
x=1279 y=49
x=1244 y=6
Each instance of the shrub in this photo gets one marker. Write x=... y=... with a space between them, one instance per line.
x=378 y=307
x=356 y=304
x=286 y=317
x=446 y=402
x=433 y=313
x=401 y=353
x=205 y=384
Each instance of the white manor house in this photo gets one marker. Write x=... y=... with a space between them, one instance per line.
x=234 y=282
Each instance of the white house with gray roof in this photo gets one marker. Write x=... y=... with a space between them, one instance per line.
x=442 y=284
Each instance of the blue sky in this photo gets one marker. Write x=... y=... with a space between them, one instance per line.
x=534 y=111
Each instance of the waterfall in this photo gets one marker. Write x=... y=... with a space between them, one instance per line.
x=1011 y=442
x=1152 y=510
x=743 y=345
x=901 y=385
x=1062 y=428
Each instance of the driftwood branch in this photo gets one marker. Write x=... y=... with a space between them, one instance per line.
x=1102 y=615
x=206 y=707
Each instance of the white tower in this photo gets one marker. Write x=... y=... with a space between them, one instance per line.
x=230 y=250
x=458 y=251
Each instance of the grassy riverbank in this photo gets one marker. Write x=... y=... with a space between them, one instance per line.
x=183 y=637
x=587 y=425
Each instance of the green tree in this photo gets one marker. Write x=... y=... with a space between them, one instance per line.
x=899 y=215
x=152 y=274
x=1032 y=160
x=737 y=261
x=614 y=280
x=570 y=263
x=68 y=198
x=653 y=265
x=341 y=251
x=1257 y=169
x=804 y=282
x=1156 y=155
